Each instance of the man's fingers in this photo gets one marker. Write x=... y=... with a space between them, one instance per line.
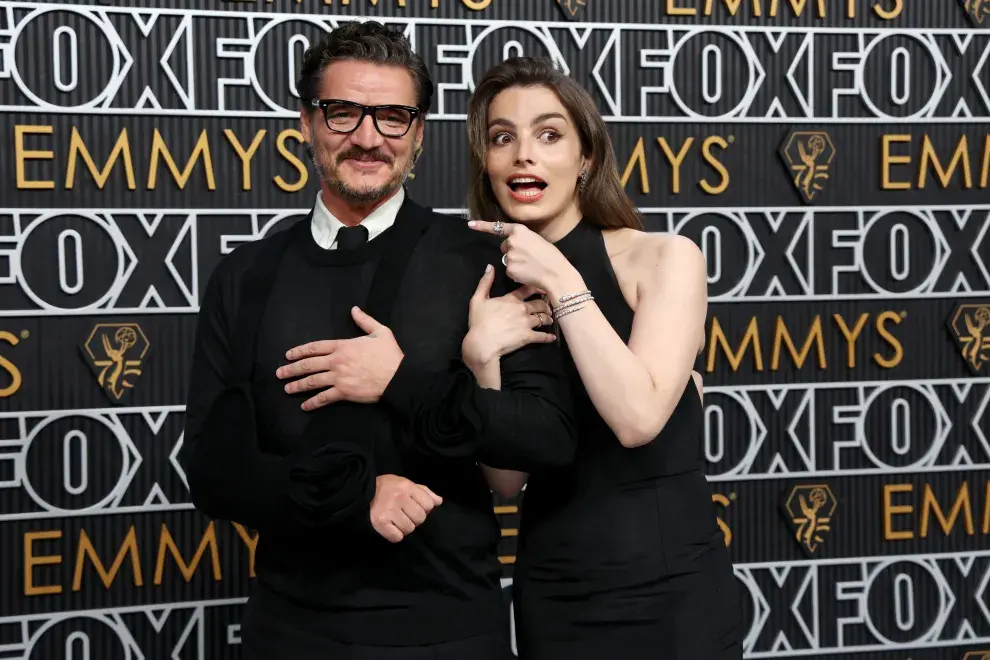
x=310 y=365
x=415 y=511
x=391 y=532
x=313 y=382
x=484 y=288
x=322 y=347
x=324 y=398
x=424 y=497
x=403 y=522
x=437 y=500
x=364 y=320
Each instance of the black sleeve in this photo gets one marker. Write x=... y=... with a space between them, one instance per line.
x=228 y=476
x=527 y=425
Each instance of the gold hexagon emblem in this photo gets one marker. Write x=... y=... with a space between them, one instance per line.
x=571 y=7
x=808 y=156
x=116 y=353
x=970 y=328
x=810 y=509
x=978 y=12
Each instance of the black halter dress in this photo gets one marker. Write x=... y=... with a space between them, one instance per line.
x=619 y=554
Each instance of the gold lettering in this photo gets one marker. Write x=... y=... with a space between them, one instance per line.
x=735 y=359
x=882 y=319
x=251 y=542
x=31 y=560
x=245 y=155
x=986 y=509
x=889 y=14
x=77 y=149
x=711 y=159
x=293 y=160
x=167 y=543
x=851 y=335
x=733 y=7
x=160 y=150
x=890 y=510
x=638 y=158
x=886 y=160
x=798 y=7
x=675 y=161
x=930 y=504
x=944 y=176
x=985 y=170
x=22 y=154
x=86 y=549
x=723 y=501
x=814 y=338
x=679 y=11
x=10 y=367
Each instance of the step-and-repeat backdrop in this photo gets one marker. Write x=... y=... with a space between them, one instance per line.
x=832 y=158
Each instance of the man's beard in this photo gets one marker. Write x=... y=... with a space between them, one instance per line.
x=330 y=173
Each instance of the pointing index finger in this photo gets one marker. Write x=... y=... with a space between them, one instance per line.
x=489 y=227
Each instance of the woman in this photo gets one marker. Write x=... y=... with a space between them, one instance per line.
x=619 y=554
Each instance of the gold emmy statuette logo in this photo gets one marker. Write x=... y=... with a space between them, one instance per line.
x=808 y=156
x=979 y=13
x=571 y=7
x=116 y=353
x=970 y=327
x=810 y=510
x=977 y=655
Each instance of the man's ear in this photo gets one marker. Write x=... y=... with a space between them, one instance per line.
x=420 y=129
x=304 y=125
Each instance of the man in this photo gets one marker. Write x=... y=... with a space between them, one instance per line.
x=328 y=407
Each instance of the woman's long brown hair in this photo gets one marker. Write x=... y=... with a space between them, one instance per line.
x=604 y=203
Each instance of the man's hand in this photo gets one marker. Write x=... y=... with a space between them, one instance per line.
x=355 y=370
x=400 y=506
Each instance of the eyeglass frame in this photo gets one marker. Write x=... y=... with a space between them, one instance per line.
x=366 y=110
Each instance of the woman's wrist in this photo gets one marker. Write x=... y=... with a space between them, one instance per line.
x=475 y=354
x=565 y=284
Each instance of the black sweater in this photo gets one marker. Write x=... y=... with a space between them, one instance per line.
x=305 y=480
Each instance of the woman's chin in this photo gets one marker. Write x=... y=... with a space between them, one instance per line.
x=527 y=214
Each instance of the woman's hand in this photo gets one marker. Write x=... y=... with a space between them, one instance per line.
x=498 y=326
x=529 y=258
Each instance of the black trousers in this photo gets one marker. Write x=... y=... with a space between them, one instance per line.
x=265 y=637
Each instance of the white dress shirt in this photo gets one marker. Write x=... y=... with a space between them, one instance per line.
x=325 y=225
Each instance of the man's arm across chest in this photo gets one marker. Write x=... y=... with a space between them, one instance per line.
x=526 y=425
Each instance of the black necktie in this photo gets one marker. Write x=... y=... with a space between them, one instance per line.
x=351 y=238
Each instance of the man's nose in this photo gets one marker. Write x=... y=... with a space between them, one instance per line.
x=366 y=135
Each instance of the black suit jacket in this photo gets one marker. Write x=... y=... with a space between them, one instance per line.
x=421 y=291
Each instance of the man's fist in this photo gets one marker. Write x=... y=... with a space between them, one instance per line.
x=400 y=506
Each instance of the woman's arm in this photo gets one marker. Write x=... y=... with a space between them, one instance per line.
x=507 y=483
x=636 y=388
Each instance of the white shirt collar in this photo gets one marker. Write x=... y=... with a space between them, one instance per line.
x=325 y=225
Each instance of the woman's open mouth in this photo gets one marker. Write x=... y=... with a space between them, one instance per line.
x=526 y=188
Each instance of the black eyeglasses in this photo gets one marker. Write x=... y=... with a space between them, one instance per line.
x=392 y=121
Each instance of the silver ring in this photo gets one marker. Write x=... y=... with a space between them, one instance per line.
x=505 y=260
x=497 y=228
